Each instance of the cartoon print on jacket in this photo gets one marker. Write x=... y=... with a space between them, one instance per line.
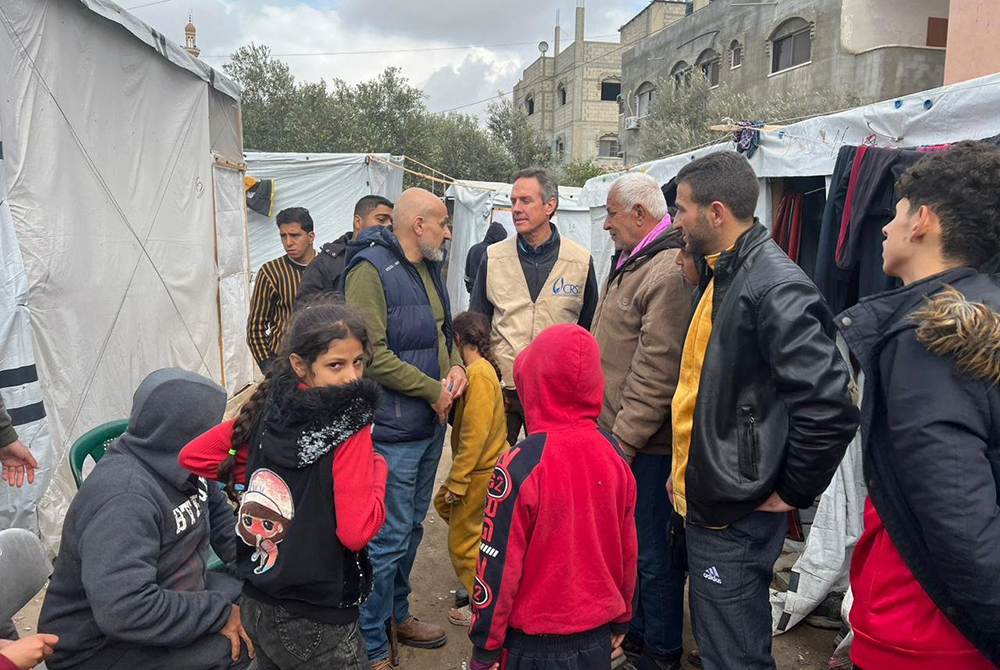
x=266 y=510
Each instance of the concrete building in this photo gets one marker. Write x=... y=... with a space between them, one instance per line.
x=571 y=97
x=877 y=49
x=973 y=40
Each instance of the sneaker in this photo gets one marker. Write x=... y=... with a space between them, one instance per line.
x=647 y=662
x=416 y=633
x=384 y=664
x=461 y=597
x=632 y=646
x=460 y=616
x=827 y=613
x=694 y=659
x=618 y=659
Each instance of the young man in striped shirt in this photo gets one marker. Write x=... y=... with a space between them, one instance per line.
x=276 y=284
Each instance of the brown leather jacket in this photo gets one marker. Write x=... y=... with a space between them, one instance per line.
x=640 y=323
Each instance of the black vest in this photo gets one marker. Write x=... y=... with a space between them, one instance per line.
x=288 y=553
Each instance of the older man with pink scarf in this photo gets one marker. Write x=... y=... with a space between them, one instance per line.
x=640 y=323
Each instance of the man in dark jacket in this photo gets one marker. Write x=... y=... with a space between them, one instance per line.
x=930 y=551
x=130 y=588
x=324 y=273
x=495 y=233
x=393 y=278
x=762 y=414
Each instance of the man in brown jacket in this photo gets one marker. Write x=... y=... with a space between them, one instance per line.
x=640 y=323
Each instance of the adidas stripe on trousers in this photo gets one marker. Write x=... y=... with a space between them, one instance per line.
x=729 y=575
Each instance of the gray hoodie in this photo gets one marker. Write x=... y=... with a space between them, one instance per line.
x=135 y=540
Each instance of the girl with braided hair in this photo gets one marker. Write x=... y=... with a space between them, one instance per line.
x=299 y=463
x=478 y=438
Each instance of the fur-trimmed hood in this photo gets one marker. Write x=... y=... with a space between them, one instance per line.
x=301 y=425
x=955 y=313
x=951 y=325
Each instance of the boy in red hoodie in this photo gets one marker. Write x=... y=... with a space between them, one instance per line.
x=557 y=561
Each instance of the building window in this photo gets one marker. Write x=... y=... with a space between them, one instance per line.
x=644 y=96
x=736 y=55
x=529 y=104
x=937 y=32
x=610 y=90
x=609 y=146
x=681 y=74
x=791 y=45
x=560 y=148
x=709 y=62
x=562 y=94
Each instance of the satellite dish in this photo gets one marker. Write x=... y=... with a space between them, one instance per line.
x=543 y=47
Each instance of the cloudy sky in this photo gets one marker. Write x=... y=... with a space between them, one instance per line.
x=450 y=77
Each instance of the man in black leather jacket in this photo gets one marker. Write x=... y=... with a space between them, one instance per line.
x=762 y=414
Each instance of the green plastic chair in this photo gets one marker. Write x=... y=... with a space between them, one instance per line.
x=94 y=443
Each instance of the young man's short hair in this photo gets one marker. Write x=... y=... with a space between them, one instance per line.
x=962 y=186
x=367 y=204
x=299 y=215
x=726 y=177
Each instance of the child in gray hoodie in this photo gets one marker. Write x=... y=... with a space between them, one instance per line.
x=130 y=587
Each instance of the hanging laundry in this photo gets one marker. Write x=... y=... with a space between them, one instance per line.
x=260 y=194
x=748 y=140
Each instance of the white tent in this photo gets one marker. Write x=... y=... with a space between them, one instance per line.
x=328 y=185
x=123 y=229
x=477 y=204
x=809 y=148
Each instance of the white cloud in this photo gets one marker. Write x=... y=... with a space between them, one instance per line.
x=449 y=77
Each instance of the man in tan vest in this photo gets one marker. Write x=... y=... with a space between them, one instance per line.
x=531 y=281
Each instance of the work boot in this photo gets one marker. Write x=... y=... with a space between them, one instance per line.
x=416 y=633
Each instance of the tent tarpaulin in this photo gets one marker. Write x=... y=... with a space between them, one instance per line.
x=477 y=204
x=107 y=145
x=809 y=148
x=328 y=185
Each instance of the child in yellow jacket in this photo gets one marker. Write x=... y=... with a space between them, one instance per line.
x=478 y=438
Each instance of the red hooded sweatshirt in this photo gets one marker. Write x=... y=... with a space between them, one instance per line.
x=558 y=551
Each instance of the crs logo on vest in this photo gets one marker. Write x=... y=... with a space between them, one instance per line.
x=562 y=288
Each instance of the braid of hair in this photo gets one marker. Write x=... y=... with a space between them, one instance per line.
x=249 y=413
x=485 y=348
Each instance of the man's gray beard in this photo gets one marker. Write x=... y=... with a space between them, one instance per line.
x=432 y=254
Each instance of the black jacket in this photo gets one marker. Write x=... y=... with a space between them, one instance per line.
x=536 y=265
x=323 y=274
x=774 y=411
x=930 y=426
x=495 y=233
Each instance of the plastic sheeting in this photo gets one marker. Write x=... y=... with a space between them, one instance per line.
x=108 y=160
x=19 y=384
x=477 y=204
x=328 y=185
x=234 y=277
x=809 y=148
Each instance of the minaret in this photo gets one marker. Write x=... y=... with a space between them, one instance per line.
x=189 y=38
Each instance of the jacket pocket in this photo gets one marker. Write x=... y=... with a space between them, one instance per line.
x=748 y=455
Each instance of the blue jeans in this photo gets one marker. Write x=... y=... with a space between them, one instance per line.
x=408 y=492
x=731 y=570
x=658 y=611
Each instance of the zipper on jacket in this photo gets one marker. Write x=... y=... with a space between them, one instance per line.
x=399 y=408
x=748 y=443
